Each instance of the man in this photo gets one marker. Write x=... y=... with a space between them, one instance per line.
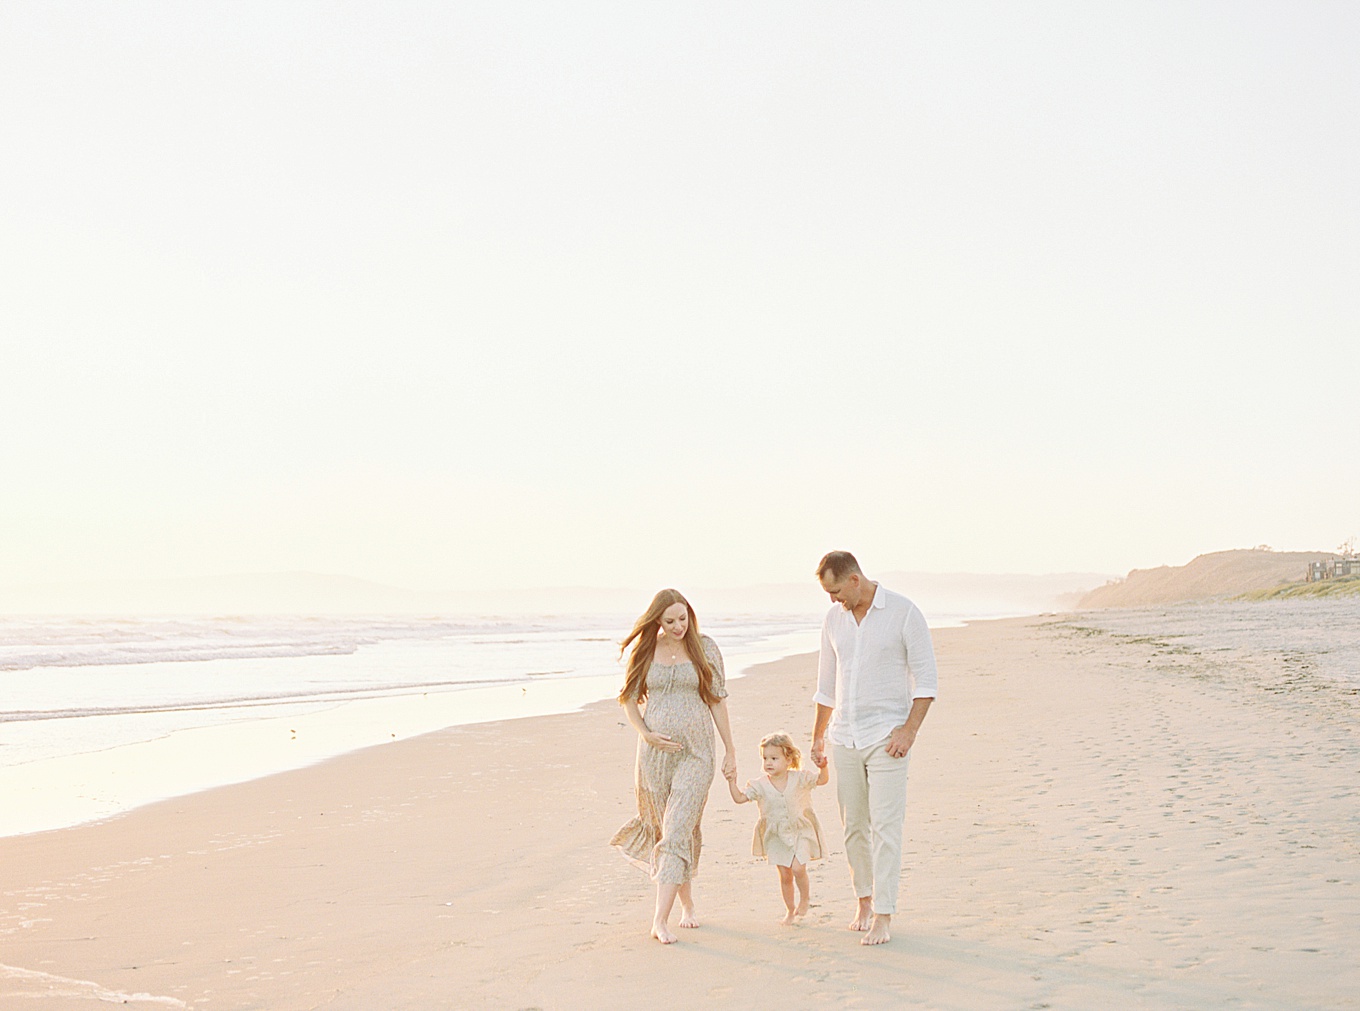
x=875 y=682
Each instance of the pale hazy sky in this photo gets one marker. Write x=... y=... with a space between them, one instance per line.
x=448 y=295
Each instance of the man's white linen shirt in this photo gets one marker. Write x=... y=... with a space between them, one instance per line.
x=870 y=672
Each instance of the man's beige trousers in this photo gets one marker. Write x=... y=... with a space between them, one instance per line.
x=871 y=789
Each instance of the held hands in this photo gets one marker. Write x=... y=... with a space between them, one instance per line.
x=730 y=774
x=729 y=768
x=818 y=753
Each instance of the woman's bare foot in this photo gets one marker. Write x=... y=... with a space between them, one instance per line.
x=663 y=933
x=802 y=907
x=788 y=919
x=878 y=931
x=666 y=894
x=864 y=915
x=687 y=917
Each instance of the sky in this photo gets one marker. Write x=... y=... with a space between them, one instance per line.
x=602 y=294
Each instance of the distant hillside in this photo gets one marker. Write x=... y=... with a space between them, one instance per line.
x=938 y=594
x=995 y=593
x=1213 y=575
x=255 y=593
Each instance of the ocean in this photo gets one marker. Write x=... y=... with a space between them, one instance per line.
x=98 y=716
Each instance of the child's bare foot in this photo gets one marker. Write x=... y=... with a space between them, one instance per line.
x=687 y=917
x=878 y=932
x=864 y=915
x=787 y=920
x=663 y=933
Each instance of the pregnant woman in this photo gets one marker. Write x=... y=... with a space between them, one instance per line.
x=675 y=694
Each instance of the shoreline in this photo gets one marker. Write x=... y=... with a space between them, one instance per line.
x=96 y=783
x=105 y=780
x=1094 y=819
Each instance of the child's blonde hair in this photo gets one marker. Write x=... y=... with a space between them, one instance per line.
x=784 y=743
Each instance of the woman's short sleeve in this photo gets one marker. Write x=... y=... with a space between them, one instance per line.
x=715 y=661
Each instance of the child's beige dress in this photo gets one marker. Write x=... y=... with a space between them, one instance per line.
x=788 y=829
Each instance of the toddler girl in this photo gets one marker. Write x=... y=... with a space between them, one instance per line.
x=788 y=833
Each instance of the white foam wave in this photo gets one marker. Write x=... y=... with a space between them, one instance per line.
x=44 y=985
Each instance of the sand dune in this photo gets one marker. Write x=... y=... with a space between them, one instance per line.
x=1216 y=574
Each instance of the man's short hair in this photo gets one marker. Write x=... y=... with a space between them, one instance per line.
x=838 y=565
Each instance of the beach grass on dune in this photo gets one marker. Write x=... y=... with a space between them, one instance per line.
x=1345 y=586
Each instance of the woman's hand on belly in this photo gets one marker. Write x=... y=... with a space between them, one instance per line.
x=661 y=742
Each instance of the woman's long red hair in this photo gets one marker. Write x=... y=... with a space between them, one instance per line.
x=643 y=639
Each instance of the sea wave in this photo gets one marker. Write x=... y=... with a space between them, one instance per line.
x=255 y=699
x=77 y=685
x=28 y=643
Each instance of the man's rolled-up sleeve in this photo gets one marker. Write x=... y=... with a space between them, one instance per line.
x=920 y=655
x=826 y=672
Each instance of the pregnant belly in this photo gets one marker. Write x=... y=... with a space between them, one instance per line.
x=682 y=730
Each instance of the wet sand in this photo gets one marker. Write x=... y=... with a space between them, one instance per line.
x=1094 y=820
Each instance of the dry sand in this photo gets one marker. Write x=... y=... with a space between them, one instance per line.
x=1093 y=822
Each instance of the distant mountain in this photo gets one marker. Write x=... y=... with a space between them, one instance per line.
x=954 y=593
x=252 y=593
x=1217 y=574
x=938 y=594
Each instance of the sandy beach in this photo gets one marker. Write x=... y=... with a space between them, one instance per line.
x=1094 y=820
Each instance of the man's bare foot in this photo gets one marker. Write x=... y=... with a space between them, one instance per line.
x=687 y=917
x=878 y=931
x=663 y=933
x=864 y=915
x=787 y=919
